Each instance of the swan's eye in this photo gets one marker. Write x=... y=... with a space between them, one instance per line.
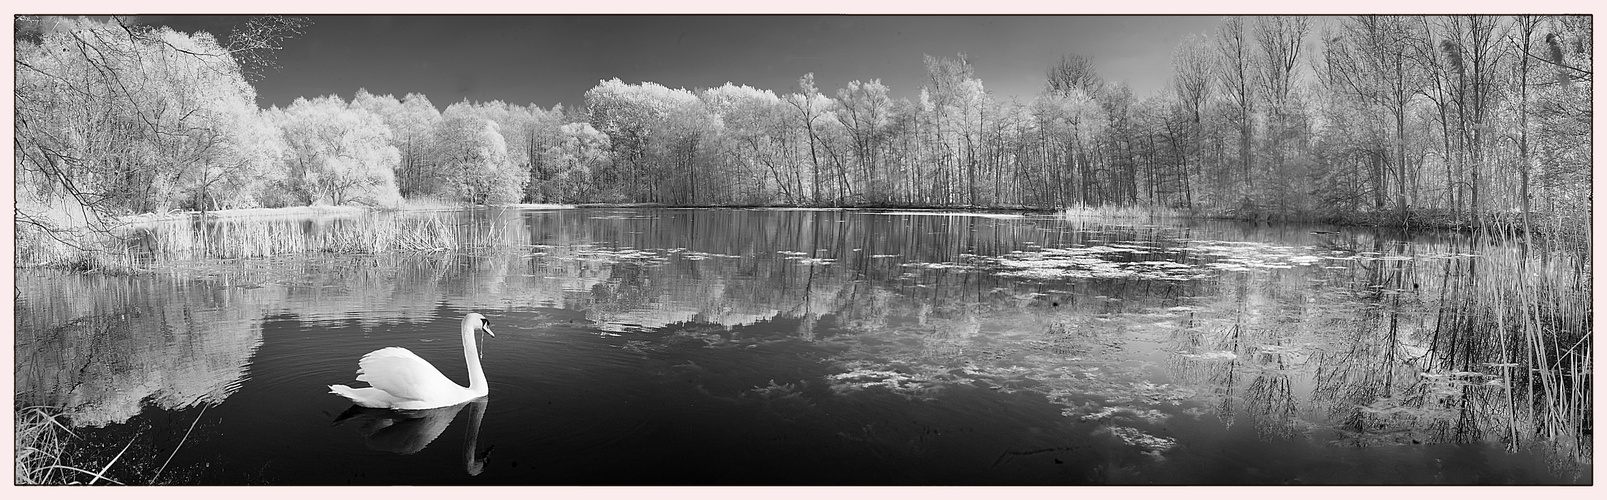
x=487 y=323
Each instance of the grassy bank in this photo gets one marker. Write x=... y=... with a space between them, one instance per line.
x=1559 y=225
x=852 y=206
x=258 y=213
x=1411 y=219
x=1120 y=212
x=135 y=243
x=49 y=453
x=40 y=444
x=428 y=225
x=42 y=448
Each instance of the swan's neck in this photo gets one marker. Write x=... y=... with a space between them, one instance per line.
x=477 y=384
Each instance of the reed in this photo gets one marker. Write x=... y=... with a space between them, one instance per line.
x=81 y=250
x=426 y=203
x=248 y=238
x=383 y=234
x=1532 y=315
x=146 y=242
x=1147 y=212
x=41 y=446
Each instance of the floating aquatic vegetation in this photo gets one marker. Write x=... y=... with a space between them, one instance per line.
x=616 y=329
x=695 y=255
x=1150 y=415
x=1136 y=246
x=1452 y=382
x=861 y=378
x=1448 y=255
x=1095 y=262
x=1225 y=266
x=1139 y=438
x=1212 y=355
x=776 y=391
x=587 y=253
x=1240 y=256
x=1159 y=393
x=916 y=379
x=936 y=265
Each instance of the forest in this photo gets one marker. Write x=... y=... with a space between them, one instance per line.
x=1464 y=120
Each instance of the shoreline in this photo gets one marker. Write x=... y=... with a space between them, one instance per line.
x=1410 y=220
x=1415 y=219
x=1545 y=227
x=1418 y=219
x=310 y=211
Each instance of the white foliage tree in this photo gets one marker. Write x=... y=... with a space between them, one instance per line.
x=338 y=154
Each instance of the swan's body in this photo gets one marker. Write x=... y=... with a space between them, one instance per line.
x=399 y=379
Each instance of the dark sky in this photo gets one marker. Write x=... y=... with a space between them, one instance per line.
x=551 y=59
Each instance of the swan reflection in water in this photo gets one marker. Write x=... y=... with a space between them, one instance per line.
x=407 y=432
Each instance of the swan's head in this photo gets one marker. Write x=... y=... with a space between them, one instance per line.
x=475 y=320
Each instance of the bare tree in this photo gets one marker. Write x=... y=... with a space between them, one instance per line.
x=1234 y=70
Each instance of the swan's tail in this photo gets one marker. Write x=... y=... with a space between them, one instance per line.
x=367 y=396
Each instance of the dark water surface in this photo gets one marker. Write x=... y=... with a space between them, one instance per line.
x=665 y=347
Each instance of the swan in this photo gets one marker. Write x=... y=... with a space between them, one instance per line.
x=400 y=380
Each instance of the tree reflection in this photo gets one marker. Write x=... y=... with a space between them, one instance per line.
x=1355 y=339
x=102 y=347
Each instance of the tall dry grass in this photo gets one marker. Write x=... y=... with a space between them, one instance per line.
x=41 y=449
x=137 y=247
x=1119 y=212
x=426 y=203
x=80 y=250
x=1521 y=313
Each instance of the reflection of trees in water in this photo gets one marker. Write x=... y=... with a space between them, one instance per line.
x=1344 y=345
x=1371 y=383
x=1343 y=342
x=1410 y=344
x=103 y=346
x=1272 y=401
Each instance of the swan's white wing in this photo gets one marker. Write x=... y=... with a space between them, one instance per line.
x=405 y=375
x=368 y=397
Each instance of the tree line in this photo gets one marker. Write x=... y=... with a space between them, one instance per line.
x=1465 y=115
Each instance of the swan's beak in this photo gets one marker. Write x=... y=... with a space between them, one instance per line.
x=488 y=330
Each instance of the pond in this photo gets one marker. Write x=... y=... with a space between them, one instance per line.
x=821 y=347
